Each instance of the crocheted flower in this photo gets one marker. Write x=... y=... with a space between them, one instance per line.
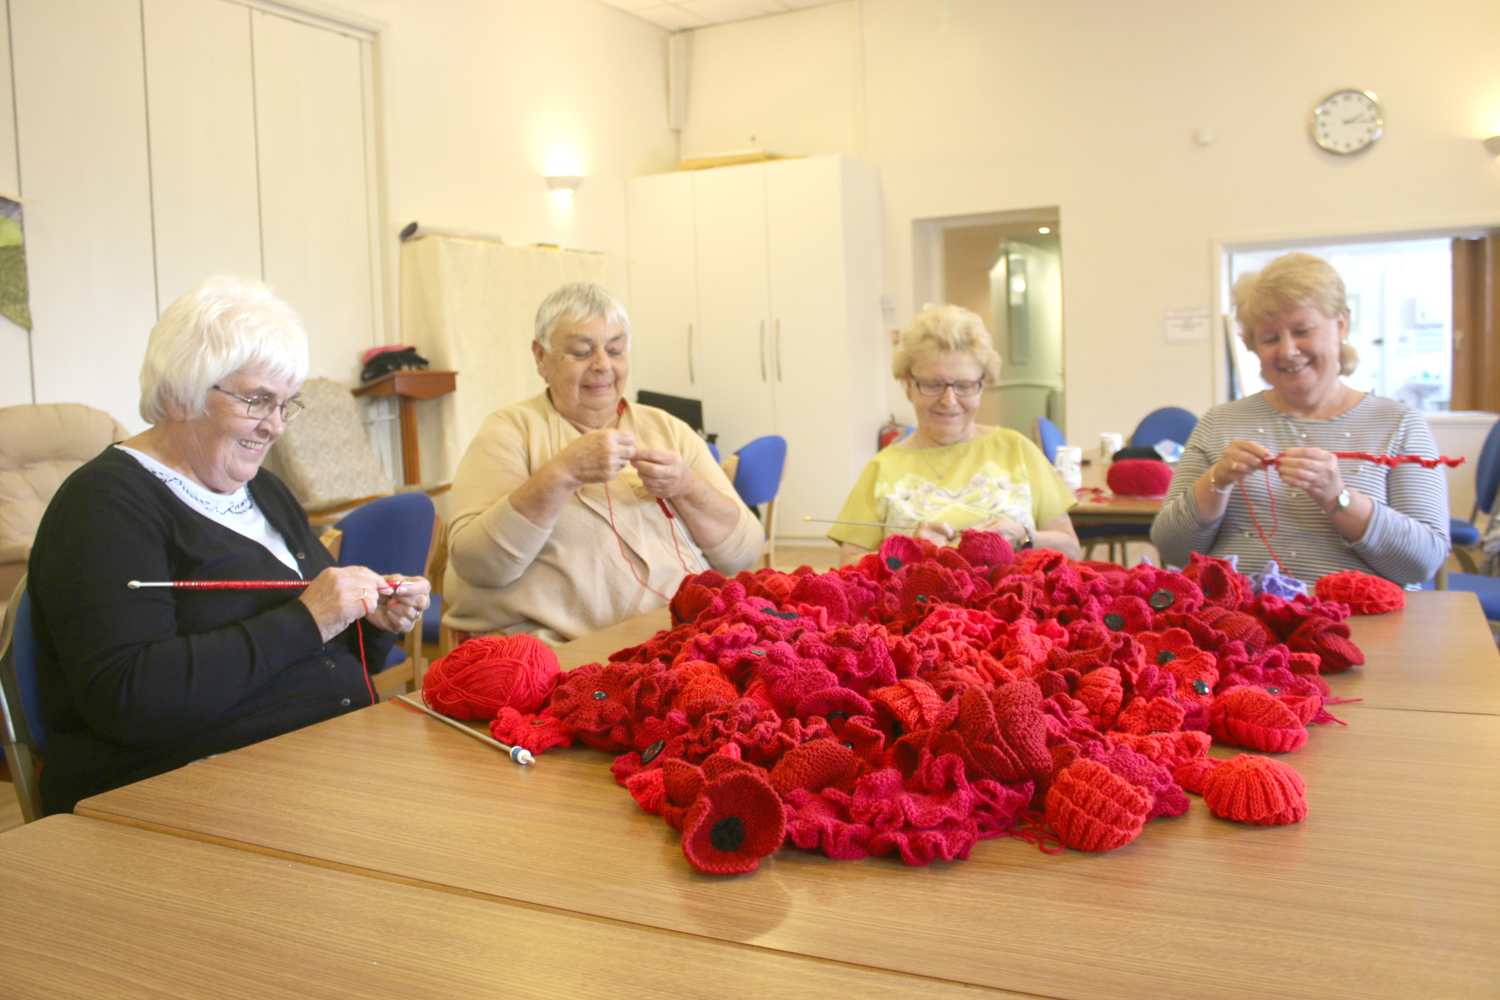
x=907 y=706
x=537 y=733
x=1251 y=789
x=985 y=550
x=1094 y=809
x=1330 y=641
x=1365 y=594
x=695 y=594
x=1220 y=582
x=737 y=820
x=1170 y=749
x=1252 y=717
x=1102 y=692
x=816 y=765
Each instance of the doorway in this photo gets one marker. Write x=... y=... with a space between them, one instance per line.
x=1007 y=267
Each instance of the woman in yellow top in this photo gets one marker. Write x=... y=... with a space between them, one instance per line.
x=952 y=474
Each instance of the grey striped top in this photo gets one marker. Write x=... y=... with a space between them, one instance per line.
x=1407 y=539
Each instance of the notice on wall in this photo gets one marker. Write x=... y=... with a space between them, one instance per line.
x=1185 y=325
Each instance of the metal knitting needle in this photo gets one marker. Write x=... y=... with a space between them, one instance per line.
x=518 y=754
x=389 y=588
x=863 y=524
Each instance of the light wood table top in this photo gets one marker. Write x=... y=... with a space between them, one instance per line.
x=97 y=910
x=1389 y=888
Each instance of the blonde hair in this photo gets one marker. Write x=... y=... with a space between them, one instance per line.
x=1292 y=281
x=943 y=329
x=224 y=325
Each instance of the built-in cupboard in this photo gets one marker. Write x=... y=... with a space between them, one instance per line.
x=756 y=289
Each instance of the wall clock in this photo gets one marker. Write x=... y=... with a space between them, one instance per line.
x=1347 y=121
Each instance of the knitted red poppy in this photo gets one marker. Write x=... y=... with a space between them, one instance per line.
x=1252 y=789
x=1102 y=692
x=1220 y=582
x=985 y=550
x=1171 y=749
x=1094 y=809
x=1254 y=718
x=1139 y=477
x=537 y=733
x=737 y=820
x=1330 y=641
x=816 y=765
x=1365 y=594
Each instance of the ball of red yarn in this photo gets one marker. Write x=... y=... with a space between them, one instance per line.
x=1365 y=594
x=489 y=673
x=1252 y=789
x=1139 y=477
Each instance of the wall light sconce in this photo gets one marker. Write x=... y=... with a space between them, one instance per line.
x=563 y=186
x=1493 y=145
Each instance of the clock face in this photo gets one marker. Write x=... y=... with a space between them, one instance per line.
x=1347 y=122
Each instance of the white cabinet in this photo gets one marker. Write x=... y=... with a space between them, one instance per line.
x=773 y=321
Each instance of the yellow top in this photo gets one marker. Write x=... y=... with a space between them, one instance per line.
x=1001 y=473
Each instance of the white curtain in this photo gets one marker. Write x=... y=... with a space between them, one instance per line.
x=468 y=305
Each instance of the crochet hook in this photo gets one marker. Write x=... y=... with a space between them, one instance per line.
x=518 y=754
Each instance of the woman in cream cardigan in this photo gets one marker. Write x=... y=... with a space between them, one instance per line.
x=558 y=524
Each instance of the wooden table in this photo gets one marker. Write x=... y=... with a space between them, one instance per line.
x=1094 y=509
x=1391 y=887
x=410 y=385
x=96 y=910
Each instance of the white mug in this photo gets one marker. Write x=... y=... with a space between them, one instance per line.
x=1109 y=444
x=1070 y=466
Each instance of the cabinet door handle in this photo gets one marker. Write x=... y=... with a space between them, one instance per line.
x=762 y=350
x=776 y=339
x=692 y=380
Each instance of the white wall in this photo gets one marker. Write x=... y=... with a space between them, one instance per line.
x=976 y=106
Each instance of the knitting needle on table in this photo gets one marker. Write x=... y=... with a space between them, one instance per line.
x=518 y=754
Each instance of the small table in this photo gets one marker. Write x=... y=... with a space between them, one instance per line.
x=411 y=385
x=1108 y=508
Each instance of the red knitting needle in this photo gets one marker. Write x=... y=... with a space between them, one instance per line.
x=391 y=586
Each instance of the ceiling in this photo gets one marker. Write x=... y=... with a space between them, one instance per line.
x=679 y=15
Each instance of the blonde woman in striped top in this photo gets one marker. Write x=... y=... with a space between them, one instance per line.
x=1331 y=514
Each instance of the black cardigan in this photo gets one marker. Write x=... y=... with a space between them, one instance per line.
x=137 y=682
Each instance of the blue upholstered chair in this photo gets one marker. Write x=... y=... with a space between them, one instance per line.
x=393 y=534
x=1170 y=423
x=757 y=479
x=1463 y=534
x=24 y=730
x=1048 y=437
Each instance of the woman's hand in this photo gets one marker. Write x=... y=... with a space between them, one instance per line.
x=936 y=532
x=597 y=457
x=1240 y=460
x=1314 y=472
x=341 y=594
x=664 y=474
x=401 y=608
x=1014 y=532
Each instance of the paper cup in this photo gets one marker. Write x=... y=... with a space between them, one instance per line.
x=1109 y=444
x=1070 y=466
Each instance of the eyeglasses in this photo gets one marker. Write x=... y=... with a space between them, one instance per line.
x=960 y=389
x=260 y=407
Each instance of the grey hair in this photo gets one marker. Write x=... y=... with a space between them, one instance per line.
x=577 y=302
x=224 y=325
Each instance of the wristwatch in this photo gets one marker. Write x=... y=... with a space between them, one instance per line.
x=1028 y=543
x=1340 y=502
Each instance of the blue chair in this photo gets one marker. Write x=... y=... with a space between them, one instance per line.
x=713 y=450
x=25 y=731
x=757 y=479
x=1464 y=534
x=393 y=534
x=1170 y=423
x=1048 y=437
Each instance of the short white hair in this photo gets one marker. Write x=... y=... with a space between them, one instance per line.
x=224 y=325
x=576 y=303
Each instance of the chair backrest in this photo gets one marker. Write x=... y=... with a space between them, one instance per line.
x=325 y=457
x=389 y=534
x=1487 y=471
x=758 y=477
x=21 y=724
x=1048 y=437
x=40 y=446
x=1170 y=423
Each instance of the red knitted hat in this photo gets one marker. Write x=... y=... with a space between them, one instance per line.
x=1365 y=594
x=1139 y=477
x=1253 y=717
x=1094 y=809
x=1252 y=789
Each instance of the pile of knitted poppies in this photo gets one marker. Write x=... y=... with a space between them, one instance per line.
x=927 y=698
